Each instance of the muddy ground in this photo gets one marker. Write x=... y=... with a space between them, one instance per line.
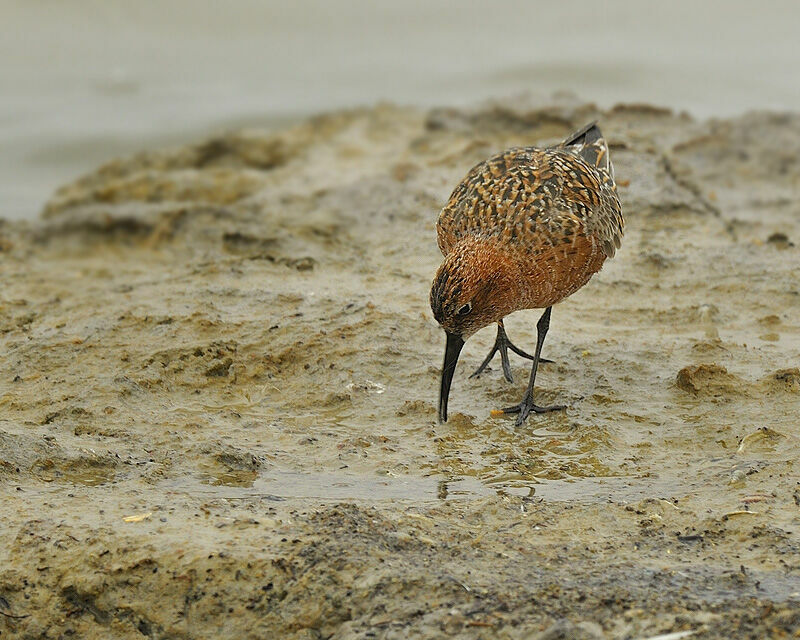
x=219 y=376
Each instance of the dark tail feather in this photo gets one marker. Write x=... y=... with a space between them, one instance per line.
x=585 y=135
x=588 y=143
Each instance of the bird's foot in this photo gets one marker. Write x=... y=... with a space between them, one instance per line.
x=503 y=344
x=526 y=408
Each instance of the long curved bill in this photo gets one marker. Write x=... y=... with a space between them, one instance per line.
x=451 y=352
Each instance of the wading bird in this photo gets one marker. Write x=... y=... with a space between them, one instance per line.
x=523 y=230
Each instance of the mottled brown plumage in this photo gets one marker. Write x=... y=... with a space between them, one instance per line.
x=524 y=230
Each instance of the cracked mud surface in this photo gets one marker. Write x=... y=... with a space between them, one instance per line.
x=219 y=380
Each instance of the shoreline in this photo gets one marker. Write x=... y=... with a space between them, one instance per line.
x=200 y=342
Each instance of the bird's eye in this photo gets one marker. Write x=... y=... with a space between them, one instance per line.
x=464 y=309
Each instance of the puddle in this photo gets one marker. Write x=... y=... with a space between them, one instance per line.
x=288 y=485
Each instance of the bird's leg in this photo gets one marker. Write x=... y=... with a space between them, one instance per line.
x=503 y=344
x=527 y=406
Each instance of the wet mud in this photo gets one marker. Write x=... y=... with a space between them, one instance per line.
x=220 y=373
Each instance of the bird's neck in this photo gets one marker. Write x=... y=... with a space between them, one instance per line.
x=500 y=269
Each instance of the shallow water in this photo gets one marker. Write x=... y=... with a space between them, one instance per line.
x=86 y=80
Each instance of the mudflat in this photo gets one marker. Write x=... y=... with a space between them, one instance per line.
x=219 y=376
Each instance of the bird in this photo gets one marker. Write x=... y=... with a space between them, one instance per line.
x=524 y=229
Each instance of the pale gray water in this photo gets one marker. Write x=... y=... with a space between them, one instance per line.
x=84 y=80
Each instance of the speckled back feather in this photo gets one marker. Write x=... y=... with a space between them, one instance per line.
x=537 y=199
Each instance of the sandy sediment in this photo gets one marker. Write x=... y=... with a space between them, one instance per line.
x=220 y=373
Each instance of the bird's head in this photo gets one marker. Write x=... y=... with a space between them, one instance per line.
x=476 y=285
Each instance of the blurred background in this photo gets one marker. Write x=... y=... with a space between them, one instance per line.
x=82 y=81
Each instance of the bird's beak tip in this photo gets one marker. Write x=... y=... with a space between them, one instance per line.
x=451 y=352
